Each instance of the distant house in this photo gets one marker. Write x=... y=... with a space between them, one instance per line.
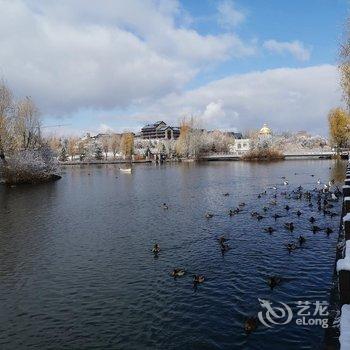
x=159 y=130
x=235 y=135
x=240 y=146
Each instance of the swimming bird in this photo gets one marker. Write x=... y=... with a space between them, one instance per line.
x=289 y=226
x=312 y=219
x=164 y=206
x=269 y=229
x=298 y=212
x=198 y=278
x=285 y=183
x=318 y=181
x=222 y=239
x=291 y=246
x=328 y=230
x=273 y=281
x=250 y=325
x=178 y=272
x=209 y=215
x=276 y=216
x=315 y=229
x=287 y=207
x=301 y=240
x=156 y=249
x=226 y=194
x=224 y=248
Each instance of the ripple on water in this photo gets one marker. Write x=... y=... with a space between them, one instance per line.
x=76 y=268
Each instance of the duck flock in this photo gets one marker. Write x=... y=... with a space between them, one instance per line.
x=320 y=201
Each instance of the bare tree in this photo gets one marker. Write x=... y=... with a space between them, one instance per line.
x=105 y=145
x=114 y=144
x=27 y=125
x=6 y=108
x=72 y=148
x=344 y=65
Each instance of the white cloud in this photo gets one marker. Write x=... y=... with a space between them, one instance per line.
x=286 y=98
x=229 y=15
x=104 y=128
x=76 y=54
x=295 y=48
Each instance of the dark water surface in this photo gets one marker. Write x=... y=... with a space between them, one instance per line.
x=77 y=272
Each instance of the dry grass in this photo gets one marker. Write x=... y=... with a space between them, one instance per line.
x=268 y=154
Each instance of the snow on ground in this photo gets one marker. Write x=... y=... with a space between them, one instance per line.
x=344 y=338
x=344 y=264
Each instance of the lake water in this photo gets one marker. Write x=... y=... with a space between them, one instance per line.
x=77 y=272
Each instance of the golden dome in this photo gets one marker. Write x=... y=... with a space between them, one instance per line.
x=265 y=130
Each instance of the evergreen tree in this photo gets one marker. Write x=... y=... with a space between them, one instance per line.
x=63 y=154
x=98 y=152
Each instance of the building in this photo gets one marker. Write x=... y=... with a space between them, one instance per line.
x=265 y=131
x=159 y=130
x=240 y=146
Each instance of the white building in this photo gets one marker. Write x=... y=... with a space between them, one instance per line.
x=240 y=146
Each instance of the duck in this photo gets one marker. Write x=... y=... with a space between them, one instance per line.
x=301 y=240
x=265 y=209
x=250 y=325
x=287 y=207
x=291 y=246
x=164 y=206
x=328 y=230
x=285 y=183
x=209 y=215
x=318 y=181
x=289 y=226
x=273 y=281
x=156 y=248
x=276 y=216
x=260 y=217
x=222 y=239
x=178 y=272
x=298 y=212
x=226 y=194
x=241 y=204
x=224 y=247
x=269 y=229
x=312 y=219
x=315 y=229
x=198 y=278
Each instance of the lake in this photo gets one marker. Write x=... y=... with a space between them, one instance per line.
x=77 y=271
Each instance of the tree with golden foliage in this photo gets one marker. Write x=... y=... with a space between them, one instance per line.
x=127 y=144
x=339 y=127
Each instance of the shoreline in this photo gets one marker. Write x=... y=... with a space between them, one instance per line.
x=219 y=159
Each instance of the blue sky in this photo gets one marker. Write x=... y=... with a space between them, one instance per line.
x=233 y=64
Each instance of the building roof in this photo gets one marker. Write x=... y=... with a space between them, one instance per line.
x=265 y=130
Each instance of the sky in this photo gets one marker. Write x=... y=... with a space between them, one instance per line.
x=103 y=65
